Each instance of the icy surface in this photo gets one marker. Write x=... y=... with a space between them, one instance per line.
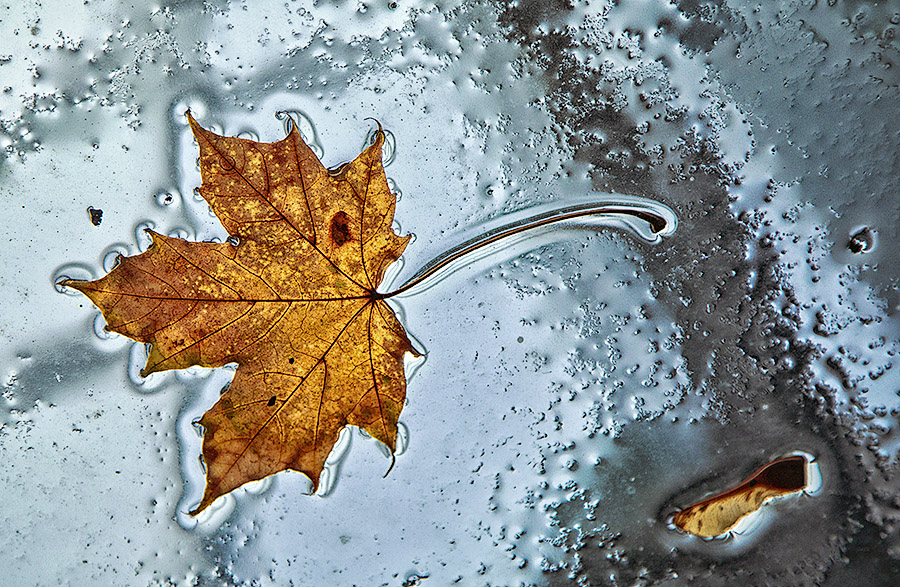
x=576 y=392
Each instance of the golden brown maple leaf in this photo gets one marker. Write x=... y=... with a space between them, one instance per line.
x=294 y=303
x=720 y=513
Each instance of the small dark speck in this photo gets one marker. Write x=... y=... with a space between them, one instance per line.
x=291 y=360
x=272 y=400
x=96 y=215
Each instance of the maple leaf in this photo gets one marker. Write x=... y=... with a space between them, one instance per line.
x=294 y=303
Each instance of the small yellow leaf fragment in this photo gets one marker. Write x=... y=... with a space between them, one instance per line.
x=720 y=513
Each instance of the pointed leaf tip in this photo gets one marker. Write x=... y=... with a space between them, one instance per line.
x=76 y=284
x=291 y=125
x=377 y=122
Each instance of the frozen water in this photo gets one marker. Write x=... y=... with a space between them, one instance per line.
x=578 y=388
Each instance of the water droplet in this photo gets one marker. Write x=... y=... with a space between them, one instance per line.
x=402 y=439
x=212 y=517
x=192 y=374
x=101 y=331
x=862 y=240
x=137 y=359
x=331 y=472
x=179 y=232
x=259 y=487
x=388 y=149
x=142 y=237
x=167 y=198
x=392 y=186
x=113 y=254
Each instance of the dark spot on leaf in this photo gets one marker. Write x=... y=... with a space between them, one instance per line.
x=340 y=229
x=272 y=401
x=291 y=360
x=96 y=215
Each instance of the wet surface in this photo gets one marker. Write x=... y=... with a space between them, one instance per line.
x=580 y=385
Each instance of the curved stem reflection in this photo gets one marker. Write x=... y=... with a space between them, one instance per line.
x=644 y=218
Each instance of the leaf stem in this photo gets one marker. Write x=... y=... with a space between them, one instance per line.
x=657 y=220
